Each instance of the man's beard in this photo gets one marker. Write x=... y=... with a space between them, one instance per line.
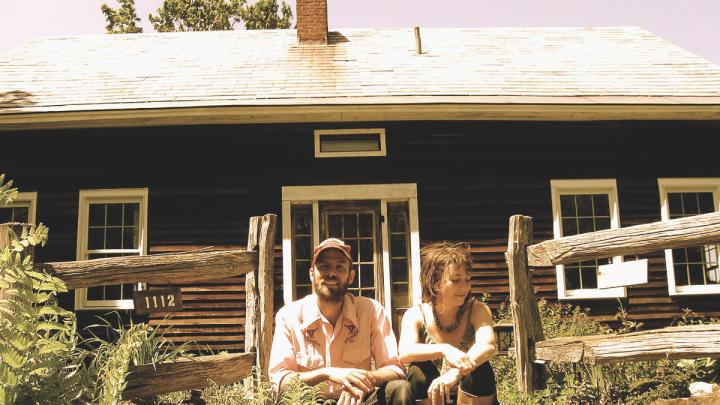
x=326 y=293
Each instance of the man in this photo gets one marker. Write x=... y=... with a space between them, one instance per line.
x=331 y=336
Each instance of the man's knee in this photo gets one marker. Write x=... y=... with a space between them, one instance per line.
x=398 y=392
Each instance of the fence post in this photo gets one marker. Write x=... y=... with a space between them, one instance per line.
x=251 y=292
x=266 y=270
x=527 y=327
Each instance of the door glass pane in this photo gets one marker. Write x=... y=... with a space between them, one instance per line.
x=302 y=248
x=399 y=260
x=358 y=229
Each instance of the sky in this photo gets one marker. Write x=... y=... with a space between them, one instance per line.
x=691 y=24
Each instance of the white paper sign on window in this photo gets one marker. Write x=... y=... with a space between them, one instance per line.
x=623 y=274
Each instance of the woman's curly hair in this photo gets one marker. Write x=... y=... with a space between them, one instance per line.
x=435 y=260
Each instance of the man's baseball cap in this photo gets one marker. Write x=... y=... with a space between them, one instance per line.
x=332 y=243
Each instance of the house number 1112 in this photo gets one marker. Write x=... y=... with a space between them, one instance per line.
x=158 y=300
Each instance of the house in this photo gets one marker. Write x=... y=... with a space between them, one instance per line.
x=152 y=143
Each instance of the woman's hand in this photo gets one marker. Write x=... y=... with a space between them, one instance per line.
x=458 y=359
x=439 y=391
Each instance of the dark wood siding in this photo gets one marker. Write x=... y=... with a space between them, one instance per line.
x=206 y=181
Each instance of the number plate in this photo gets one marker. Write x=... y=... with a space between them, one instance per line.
x=158 y=300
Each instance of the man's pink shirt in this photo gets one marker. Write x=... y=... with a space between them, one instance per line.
x=305 y=340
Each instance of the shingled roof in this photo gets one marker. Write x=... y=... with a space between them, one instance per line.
x=576 y=66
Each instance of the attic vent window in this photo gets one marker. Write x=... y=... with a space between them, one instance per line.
x=350 y=142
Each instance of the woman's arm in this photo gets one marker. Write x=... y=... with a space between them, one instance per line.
x=410 y=349
x=485 y=345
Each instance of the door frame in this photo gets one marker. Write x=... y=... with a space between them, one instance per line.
x=313 y=195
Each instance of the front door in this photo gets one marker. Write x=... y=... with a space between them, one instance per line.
x=357 y=223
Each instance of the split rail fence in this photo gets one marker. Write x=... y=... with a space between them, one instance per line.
x=532 y=350
x=256 y=262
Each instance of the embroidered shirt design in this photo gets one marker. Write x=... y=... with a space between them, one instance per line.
x=352 y=333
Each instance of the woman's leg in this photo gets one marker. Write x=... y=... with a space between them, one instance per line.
x=478 y=387
x=420 y=375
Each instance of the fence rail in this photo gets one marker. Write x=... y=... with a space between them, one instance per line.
x=531 y=350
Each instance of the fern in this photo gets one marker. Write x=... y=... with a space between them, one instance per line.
x=40 y=362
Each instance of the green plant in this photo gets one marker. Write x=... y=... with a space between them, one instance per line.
x=40 y=362
x=136 y=344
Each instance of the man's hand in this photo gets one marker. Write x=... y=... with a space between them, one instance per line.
x=347 y=398
x=439 y=391
x=356 y=381
x=458 y=359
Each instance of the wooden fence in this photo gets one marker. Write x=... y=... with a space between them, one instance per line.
x=532 y=350
x=256 y=262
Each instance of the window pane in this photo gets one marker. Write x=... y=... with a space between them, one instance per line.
x=366 y=225
x=694 y=254
x=567 y=206
x=302 y=248
x=367 y=250
x=301 y=222
x=398 y=245
x=354 y=249
x=706 y=203
x=589 y=277
x=127 y=291
x=397 y=219
x=130 y=238
x=97 y=215
x=96 y=238
x=569 y=227
x=350 y=226
x=399 y=270
x=572 y=278
x=690 y=203
x=679 y=255
x=696 y=274
x=335 y=226
x=114 y=214
x=302 y=272
x=96 y=293
x=601 y=205
x=132 y=214
x=112 y=292
x=675 y=203
x=400 y=295
x=602 y=223
x=350 y=143
x=367 y=278
x=681 y=276
x=113 y=238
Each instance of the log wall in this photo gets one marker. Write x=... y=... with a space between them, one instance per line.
x=205 y=182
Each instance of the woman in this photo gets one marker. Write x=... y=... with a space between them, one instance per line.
x=448 y=338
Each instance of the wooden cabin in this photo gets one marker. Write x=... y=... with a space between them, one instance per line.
x=154 y=143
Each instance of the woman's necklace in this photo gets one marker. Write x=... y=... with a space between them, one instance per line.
x=452 y=326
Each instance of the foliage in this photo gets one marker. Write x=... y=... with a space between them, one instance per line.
x=200 y=15
x=263 y=14
x=133 y=345
x=631 y=382
x=40 y=362
x=123 y=20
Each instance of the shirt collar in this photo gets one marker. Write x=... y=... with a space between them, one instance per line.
x=311 y=311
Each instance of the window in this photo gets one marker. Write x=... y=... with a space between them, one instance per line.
x=581 y=206
x=21 y=210
x=692 y=270
x=331 y=143
x=111 y=223
x=379 y=222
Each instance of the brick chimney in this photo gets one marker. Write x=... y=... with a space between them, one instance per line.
x=312 y=25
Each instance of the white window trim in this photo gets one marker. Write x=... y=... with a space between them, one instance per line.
x=585 y=186
x=87 y=197
x=386 y=193
x=354 y=131
x=26 y=199
x=695 y=185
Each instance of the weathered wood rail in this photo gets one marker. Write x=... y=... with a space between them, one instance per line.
x=531 y=350
x=257 y=263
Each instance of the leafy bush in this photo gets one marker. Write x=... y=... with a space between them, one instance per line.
x=40 y=362
x=631 y=382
